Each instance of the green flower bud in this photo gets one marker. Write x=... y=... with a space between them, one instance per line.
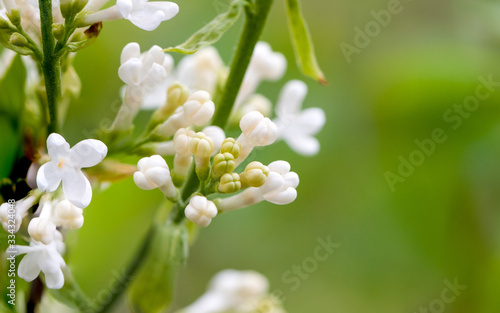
x=18 y=40
x=4 y=24
x=14 y=17
x=201 y=145
x=58 y=31
x=223 y=163
x=255 y=175
x=177 y=95
x=229 y=183
x=229 y=145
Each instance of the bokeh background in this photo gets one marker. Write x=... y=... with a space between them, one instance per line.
x=397 y=247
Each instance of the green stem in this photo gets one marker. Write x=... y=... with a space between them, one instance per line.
x=134 y=266
x=50 y=65
x=256 y=15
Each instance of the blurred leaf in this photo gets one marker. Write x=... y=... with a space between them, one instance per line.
x=11 y=103
x=152 y=289
x=211 y=32
x=70 y=294
x=302 y=42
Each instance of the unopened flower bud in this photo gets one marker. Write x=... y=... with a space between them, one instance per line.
x=42 y=230
x=200 y=211
x=229 y=183
x=199 y=108
x=201 y=146
x=183 y=158
x=229 y=145
x=177 y=95
x=217 y=135
x=68 y=216
x=223 y=163
x=255 y=175
x=18 y=40
x=58 y=31
x=14 y=17
x=4 y=24
x=154 y=173
x=257 y=131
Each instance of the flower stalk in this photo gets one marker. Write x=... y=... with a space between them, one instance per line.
x=50 y=64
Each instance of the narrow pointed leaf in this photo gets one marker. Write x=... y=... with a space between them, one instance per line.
x=302 y=42
x=212 y=32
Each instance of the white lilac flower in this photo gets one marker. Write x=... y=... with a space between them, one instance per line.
x=21 y=208
x=44 y=258
x=66 y=164
x=232 y=291
x=257 y=131
x=154 y=173
x=200 y=211
x=68 y=216
x=146 y=70
x=144 y=14
x=264 y=65
x=201 y=70
x=279 y=188
x=183 y=157
x=295 y=126
x=198 y=110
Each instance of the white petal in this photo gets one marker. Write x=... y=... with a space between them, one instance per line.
x=88 y=153
x=76 y=188
x=157 y=161
x=291 y=97
x=158 y=175
x=129 y=72
x=169 y=9
x=285 y=197
x=146 y=20
x=131 y=50
x=48 y=177
x=28 y=267
x=280 y=167
x=57 y=146
x=55 y=280
x=274 y=181
x=304 y=145
x=125 y=7
x=310 y=121
x=141 y=181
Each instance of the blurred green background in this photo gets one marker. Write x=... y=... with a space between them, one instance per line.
x=396 y=247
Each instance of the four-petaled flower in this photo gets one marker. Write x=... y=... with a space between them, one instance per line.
x=66 y=164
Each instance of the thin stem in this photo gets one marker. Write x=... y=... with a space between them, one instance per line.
x=256 y=15
x=50 y=65
x=131 y=271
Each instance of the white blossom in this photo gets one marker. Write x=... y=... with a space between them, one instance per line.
x=68 y=216
x=264 y=65
x=154 y=173
x=257 y=131
x=200 y=211
x=66 y=164
x=144 y=14
x=232 y=291
x=297 y=126
x=198 y=110
x=201 y=70
x=45 y=258
x=20 y=207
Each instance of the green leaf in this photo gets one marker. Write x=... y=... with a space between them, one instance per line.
x=12 y=99
x=211 y=32
x=302 y=42
x=71 y=295
x=152 y=289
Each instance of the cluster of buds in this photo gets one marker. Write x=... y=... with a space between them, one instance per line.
x=58 y=210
